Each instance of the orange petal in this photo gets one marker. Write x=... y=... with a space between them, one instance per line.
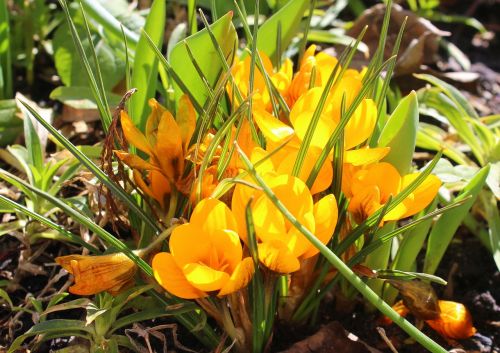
x=454 y=322
x=211 y=215
x=361 y=124
x=423 y=194
x=160 y=187
x=226 y=248
x=325 y=217
x=157 y=111
x=382 y=175
x=171 y=277
x=186 y=119
x=94 y=274
x=133 y=135
x=134 y=161
x=204 y=277
x=276 y=256
x=268 y=221
x=182 y=245
x=324 y=177
x=365 y=156
x=272 y=128
x=240 y=277
x=168 y=147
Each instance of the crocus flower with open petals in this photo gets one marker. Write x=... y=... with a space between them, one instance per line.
x=205 y=255
x=368 y=188
x=165 y=141
x=280 y=245
x=95 y=274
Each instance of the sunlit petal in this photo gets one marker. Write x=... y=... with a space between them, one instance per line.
x=186 y=119
x=325 y=216
x=169 y=147
x=272 y=129
x=227 y=248
x=365 y=156
x=240 y=277
x=134 y=161
x=276 y=256
x=188 y=244
x=422 y=195
x=133 y=135
x=171 y=277
x=361 y=124
x=204 y=277
x=212 y=214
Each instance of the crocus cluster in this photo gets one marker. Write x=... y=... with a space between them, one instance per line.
x=209 y=253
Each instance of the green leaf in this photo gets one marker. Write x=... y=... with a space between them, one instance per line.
x=68 y=63
x=35 y=150
x=81 y=97
x=145 y=69
x=400 y=134
x=442 y=232
x=206 y=57
x=60 y=327
x=10 y=125
x=5 y=55
x=288 y=18
x=453 y=93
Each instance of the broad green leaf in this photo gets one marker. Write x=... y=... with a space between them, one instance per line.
x=81 y=97
x=288 y=18
x=442 y=232
x=68 y=63
x=57 y=326
x=400 y=134
x=10 y=125
x=206 y=57
x=145 y=69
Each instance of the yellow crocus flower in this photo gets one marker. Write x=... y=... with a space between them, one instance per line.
x=281 y=246
x=369 y=187
x=95 y=274
x=205 y=255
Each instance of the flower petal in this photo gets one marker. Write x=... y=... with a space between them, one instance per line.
x=423 y=194
x=272 y=128
x=325 y=216
x=240 y=277
x=454 y=322
x=204 y=277
x=171 y=277
x=361 y=125
x=268 y=221
x=325 y=175
x=186 y=119
x=189 y=244
x=168 y=147
x=133 y=135
x=276 y=256
x=227 y=248
x=154 y=117
x=365 y=156
x=134 y=161
x=211 y=215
